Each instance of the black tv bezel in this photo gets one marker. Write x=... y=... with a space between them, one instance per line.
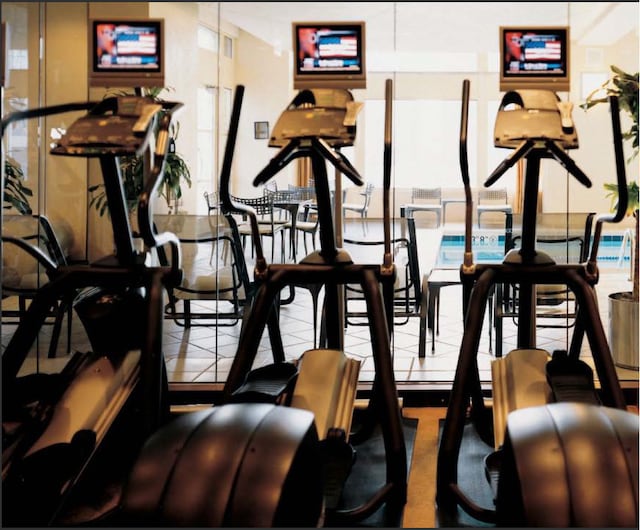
x=322 y=79
x=537 y=80
x=126 y=77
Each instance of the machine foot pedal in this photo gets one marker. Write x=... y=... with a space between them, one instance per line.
x=266 y=384
x=339 y=457
x=571 y=379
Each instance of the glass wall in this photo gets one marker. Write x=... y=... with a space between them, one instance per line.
x=426 y=48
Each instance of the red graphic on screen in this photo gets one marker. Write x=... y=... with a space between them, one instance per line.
x=106 y=46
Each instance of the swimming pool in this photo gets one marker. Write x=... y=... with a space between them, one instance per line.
x=489 y=248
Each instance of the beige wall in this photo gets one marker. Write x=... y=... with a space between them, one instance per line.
x=268 y=81
x=65 y=81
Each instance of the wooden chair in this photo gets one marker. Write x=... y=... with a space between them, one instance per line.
x=492 y=200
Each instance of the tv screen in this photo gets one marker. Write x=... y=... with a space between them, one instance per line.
x=535 y=58
x=329 y=55
x=126 y=53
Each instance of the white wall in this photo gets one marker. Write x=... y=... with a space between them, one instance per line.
x=267 y=78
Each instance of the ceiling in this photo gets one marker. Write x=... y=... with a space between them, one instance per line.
x=457 y=27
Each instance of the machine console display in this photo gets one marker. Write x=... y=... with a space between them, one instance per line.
x=116 y=126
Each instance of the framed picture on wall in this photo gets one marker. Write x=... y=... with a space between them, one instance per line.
x=261 y=130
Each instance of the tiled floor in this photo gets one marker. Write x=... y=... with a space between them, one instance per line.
x=203 y=355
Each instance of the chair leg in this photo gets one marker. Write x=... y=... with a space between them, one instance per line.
x=187 y=313
x=490 y=302
x=422 y=346
x=498 y=320
x=69 y=326
x=57 y=327
x=213 y=250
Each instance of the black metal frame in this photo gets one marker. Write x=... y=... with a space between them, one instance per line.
x=124 y=270
x=332 y=268
x=526 y=267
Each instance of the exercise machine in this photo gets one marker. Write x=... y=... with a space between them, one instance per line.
x=553 y=459
x=54 y=425
x=315 y=129
x=299 y=384
x=71 y=439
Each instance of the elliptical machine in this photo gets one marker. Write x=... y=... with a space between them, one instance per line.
x=70 y=439
x=55 y=424
x=278 y=382
x=558 y=461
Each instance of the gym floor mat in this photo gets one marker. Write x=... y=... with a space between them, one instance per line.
x=369 y=474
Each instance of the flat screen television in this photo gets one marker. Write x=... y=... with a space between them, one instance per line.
x=534 y=57
x=126 y=53
x=329 y=55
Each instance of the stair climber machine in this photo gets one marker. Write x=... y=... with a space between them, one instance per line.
x=70 y=440
x=323 y=380
x=556 y=452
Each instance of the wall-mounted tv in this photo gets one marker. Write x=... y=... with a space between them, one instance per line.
x=534 y=57
x=329 y=55
x=126 y=53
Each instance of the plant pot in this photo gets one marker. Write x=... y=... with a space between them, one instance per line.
x=623 y=329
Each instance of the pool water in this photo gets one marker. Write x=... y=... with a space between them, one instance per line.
x=489 y=248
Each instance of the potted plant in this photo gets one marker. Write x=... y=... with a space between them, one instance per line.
x=16 y=194
x=623 y=306
x=176 y=171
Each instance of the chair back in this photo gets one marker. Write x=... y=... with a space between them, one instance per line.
x=283 y=195
x=498 y=195
x=368 y=190
x=262 y=206
x=212 y=200
x=270 y=186
x=32 y=252
x=305 y=193
x=430 y=195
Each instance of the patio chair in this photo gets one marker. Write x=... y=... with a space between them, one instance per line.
x=31 y=255
x=426 y=200
x=307 y=222
x=556 y=305
x=226 y=287
x=267 y=225
x=492 y=200
x=407 y=289
x=214 y=212
x=360 y=208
